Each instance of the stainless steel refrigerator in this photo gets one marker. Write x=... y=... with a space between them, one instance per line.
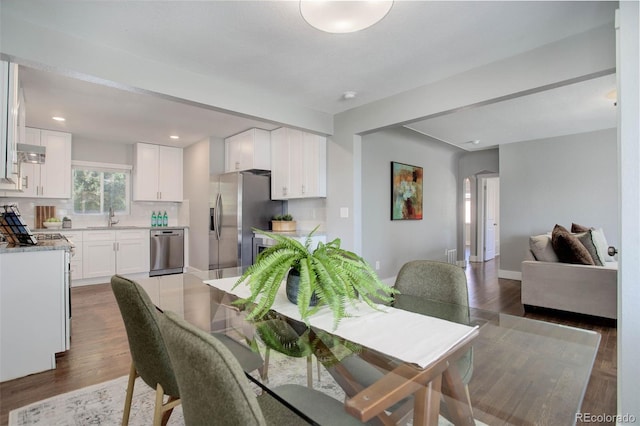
x=239 y=201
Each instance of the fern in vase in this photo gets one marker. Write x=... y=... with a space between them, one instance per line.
x=334 y=275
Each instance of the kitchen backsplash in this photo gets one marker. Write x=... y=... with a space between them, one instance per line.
x=308 y=213
x=140 y=214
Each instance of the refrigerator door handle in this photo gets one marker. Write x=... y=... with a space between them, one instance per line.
x=218 y=215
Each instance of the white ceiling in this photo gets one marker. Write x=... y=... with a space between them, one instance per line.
x=266 y=45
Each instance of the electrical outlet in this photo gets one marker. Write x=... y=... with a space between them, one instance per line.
x=377 y=265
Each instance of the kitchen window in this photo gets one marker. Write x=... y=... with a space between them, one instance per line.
x=98 y=187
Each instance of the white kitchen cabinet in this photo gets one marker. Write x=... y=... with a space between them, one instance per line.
x=248 y=150
x=132 y=251
x=299 y=164
x=33 y=319
x=53 y=178
x=11 y=110
x=98 y=254
x=157 y=173
x=106 y=253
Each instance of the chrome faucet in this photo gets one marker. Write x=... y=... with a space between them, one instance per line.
x=111 y=216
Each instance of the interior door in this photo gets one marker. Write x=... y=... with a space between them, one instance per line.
x=491 y=218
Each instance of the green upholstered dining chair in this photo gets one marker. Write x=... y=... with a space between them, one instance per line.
x=150 y=359
x=442 y=282
x=215 y=390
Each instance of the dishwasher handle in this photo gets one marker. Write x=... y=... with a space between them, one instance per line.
x=168 y=233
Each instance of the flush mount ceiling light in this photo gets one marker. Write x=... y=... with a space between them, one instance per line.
x=58 y=118
x=174 y=137
x=343 y=16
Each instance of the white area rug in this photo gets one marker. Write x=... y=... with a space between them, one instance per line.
x=102 y=404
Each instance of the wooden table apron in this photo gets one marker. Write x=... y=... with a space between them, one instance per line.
x=427 y=385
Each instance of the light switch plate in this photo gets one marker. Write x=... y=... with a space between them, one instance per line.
x=344 y=212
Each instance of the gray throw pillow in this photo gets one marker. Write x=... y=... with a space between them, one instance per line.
x=586 y=238
x=540 y=246
x=601 y=244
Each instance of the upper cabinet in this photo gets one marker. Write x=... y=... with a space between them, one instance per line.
x=248 y=150
x=12 y=119
x=298 y=164
x=53 y=178
x=157 y=173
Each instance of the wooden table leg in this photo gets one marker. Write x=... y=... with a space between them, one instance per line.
x=427 y=403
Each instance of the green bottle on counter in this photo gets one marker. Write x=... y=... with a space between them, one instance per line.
x=154 y=219
x=165 y=219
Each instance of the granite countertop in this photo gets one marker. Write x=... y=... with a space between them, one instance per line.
x=105 y=228
x=44 y=245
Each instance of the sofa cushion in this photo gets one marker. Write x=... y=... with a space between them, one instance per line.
x=569 y=248
x=586 y=238
x=542 y=249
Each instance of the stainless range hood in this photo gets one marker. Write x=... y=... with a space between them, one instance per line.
x=34 y=154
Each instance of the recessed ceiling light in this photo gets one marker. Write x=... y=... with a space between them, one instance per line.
x=174 y=137
x=59 y=118
x=350 y=94
x=475 y=142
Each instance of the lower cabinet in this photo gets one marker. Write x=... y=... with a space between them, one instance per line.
x=105 y=253
x=32 y=311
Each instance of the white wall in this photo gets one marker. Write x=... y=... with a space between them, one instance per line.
x=556 y=181
x=629 y=276
x=395 y=242
x=84 y=149
x=196 y=192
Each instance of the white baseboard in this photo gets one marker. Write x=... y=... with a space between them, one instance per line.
x=510 y=275
x=103 y=280
x=473 y=258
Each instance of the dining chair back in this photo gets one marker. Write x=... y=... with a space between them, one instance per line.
x=215 y=389
x=442 y=282
x=213 y=385
x=433 y=280
x=150 y=359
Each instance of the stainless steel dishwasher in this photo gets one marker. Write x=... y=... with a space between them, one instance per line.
x=167 y=252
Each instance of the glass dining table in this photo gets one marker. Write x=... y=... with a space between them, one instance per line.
x=507 y=370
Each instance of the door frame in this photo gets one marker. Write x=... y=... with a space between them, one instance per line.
x=481 y=183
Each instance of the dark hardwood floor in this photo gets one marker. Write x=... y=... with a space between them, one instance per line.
x=99 y=349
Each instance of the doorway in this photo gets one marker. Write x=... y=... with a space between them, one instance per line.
x=488 y=246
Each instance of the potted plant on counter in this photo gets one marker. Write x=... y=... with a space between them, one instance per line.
x=283 y=223
x=327 y=275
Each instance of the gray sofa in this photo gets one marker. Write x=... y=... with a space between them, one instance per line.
x=584 y=289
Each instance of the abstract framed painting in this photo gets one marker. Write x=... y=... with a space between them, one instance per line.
x=406 y=192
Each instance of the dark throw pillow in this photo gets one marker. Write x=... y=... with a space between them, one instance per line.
x=575 y=228
x=569 y=248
